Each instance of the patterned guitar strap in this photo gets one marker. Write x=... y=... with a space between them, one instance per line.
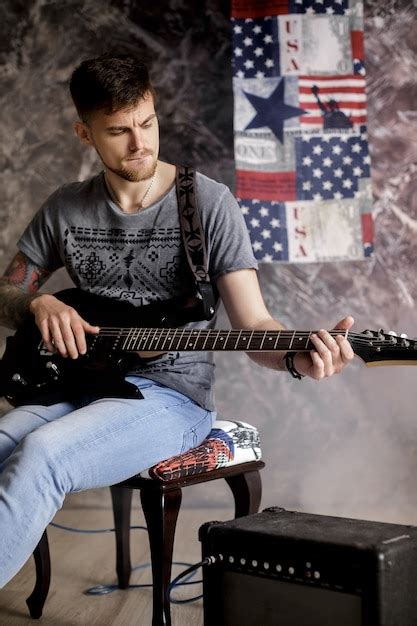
x=193 y=238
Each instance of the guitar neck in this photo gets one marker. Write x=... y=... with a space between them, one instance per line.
x=180 y=339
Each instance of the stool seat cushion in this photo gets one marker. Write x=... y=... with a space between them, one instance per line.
x=228 y=443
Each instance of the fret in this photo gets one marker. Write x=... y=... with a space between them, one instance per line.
x=292 y=339
x=277 y=339
x=180 y=339
x=207 y=333
x=146 y=343
x=159 y=340
x=198 y=338
x=263 y=340
x=224 y=338
x=141 y=338
x=237 y=340
x=243 y=338
x=250 y=339
x=126 y=342
x=308 y=339
x=135 y=338
x=215 y=340
x=174 y=335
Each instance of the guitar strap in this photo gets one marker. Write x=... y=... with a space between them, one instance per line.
x=193 y=239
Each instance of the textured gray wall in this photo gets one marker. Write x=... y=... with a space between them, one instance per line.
x=345 y=446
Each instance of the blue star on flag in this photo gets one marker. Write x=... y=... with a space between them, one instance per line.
x=272 y=111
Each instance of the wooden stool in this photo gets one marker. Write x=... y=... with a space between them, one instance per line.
x=161 y=495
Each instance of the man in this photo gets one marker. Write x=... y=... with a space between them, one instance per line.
x=118 y=235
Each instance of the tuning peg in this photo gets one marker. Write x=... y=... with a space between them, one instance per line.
x=53 y=370
x=393 y=333
x=404 y=336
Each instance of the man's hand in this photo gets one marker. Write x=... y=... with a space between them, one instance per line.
x=62 y=328
x=330 y=356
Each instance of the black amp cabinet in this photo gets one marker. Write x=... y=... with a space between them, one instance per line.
x=284 y=568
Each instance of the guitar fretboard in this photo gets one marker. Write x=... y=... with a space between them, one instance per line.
x=180 y=339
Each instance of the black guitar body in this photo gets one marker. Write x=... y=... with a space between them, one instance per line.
x=29 y=374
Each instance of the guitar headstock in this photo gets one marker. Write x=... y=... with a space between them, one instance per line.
x=376 y=347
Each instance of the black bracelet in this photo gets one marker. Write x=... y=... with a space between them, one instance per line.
x=289 y=364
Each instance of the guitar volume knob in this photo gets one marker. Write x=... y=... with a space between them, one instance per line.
x=17 y=378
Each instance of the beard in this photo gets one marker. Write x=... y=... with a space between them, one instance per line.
x=134 y=175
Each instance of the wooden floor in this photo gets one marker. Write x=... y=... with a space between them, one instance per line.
x=82 y=561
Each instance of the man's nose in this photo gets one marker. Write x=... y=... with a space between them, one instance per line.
x=136 y=141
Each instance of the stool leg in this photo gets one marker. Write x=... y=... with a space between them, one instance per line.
x=247 y=492
x=122 y=506
x=37 y=598
x=161 y=512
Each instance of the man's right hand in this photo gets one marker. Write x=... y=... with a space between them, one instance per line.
x=62 y=328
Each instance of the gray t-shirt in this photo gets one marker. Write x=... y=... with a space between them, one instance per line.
x=140 y=258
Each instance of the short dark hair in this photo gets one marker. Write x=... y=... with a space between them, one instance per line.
x=110 y=83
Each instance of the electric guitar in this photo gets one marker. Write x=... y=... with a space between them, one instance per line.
x=29 y=373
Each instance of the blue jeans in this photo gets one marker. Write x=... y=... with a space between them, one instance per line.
x=49 y=451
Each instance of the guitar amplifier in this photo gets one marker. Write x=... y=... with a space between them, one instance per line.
x=284 y=568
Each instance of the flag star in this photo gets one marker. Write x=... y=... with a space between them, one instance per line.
x=268 y=39
x=240 y=74
x=344 y=138
x=254 y=223
x=367 y=159
x=337 y=195
x=267 y=258
x=275 y=223
x=254 y=201
x=317 y=196
x=257 y=29
x=237 y=29
x=269 y=63
x=336 y=149
x=356 y=147
x=326 y=138
x=330 y=10
x=277 y=246
x=347 y=183
x=263 y=211
x=347 y=160
x=298 y=1
x=257 y=245
x=244 y=209
x=364 y=136
x=258 y=52
x=238 y=52
x=259 y=74
x=317 y=173
x=357 y=171
x=306 y=185
x=310 y=11
x=338 y=172
x=338 y=1
x=248 y=20
x=307 y=161
x=317 y=149
x=318 y=1
x=327 y=162
x=327 y=185
x=248 y=41
x=248 y=64
x=266 y=234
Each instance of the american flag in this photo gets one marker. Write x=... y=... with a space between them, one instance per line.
x=303 y=167
x=330 y=167
x=347 y=92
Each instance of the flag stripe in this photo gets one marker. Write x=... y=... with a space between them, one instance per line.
x=307 y=119
x=357 y=94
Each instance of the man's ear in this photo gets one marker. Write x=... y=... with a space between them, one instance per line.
x=83 y=133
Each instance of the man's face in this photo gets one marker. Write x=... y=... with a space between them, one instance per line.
x=126 y=141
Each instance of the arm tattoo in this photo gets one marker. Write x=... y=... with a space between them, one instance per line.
x=18 y=287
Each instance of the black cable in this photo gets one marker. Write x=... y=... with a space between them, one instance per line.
x=99 y=590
